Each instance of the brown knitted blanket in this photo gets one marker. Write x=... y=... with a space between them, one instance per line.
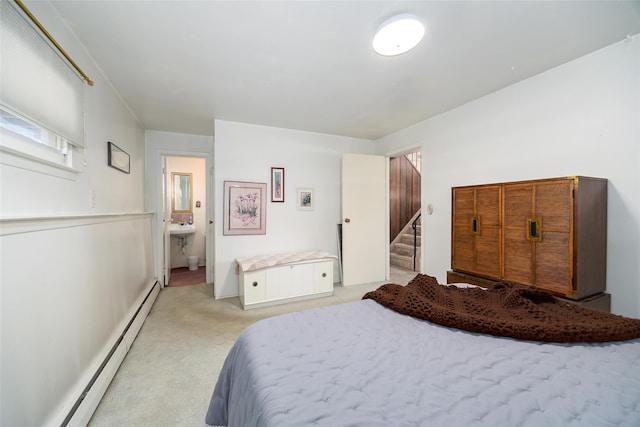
x=507 y=310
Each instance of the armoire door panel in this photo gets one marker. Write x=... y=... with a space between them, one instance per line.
x=553 y=262
x=554 y=204
x=518 y=201
x=518 y=253
x=463 y=205
x=488 y=206
x=463 y=257
x=488 y=252
x=476 y=230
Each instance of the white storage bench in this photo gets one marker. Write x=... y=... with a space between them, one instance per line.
x=276 y=279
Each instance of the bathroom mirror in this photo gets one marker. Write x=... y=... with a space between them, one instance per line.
x=181 y=192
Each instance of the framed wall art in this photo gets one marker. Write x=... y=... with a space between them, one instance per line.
x=245 y=208
x=277 y=185
x=306 y=202
x=118 y=158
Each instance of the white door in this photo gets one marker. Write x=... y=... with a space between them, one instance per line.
x=166 y=217
x=363 y=219
x=209 y=236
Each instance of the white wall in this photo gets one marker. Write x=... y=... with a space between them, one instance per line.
x=69 y=287
x=582 y=118
x=69 y=283
x=246 y=153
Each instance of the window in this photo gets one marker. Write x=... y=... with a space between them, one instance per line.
x=42 y=98
x=27 y=139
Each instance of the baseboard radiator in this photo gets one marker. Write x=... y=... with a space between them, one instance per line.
x=88 y=401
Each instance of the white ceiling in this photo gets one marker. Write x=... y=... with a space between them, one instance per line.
x=309 y=65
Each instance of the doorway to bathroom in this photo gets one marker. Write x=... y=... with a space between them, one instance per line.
x=186 y=212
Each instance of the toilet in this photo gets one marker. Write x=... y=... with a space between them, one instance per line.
x=193 y=262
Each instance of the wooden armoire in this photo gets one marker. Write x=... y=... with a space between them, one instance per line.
x=547 y=233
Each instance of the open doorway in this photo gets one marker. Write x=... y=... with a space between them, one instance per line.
x=185 y=210
x=405 y=180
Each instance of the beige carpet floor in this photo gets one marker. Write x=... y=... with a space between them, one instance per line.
x=169 y=374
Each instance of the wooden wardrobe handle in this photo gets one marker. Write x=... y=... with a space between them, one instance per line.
x=534 y=229
x=475 y=224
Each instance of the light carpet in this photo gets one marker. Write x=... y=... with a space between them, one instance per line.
x=169 y=374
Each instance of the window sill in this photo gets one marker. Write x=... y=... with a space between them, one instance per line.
x=18 y=159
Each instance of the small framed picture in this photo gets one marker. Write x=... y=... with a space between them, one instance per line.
x=118 y=158
x=306 y=201
x=277 y=185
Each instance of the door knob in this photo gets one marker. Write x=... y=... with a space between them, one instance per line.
x=347 y=220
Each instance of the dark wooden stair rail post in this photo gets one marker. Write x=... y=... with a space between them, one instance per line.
x=415 y=239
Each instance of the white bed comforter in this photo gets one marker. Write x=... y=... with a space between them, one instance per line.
x=361 y=364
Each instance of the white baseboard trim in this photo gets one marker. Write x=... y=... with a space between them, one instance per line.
x=88 y=401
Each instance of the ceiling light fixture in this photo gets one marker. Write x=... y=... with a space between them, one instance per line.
x=398 y=34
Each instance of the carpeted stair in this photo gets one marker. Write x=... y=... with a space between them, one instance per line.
x=401 y=250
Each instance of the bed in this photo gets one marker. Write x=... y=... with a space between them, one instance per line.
x=365 y=364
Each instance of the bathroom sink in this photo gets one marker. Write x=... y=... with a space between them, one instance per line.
x=181 y=229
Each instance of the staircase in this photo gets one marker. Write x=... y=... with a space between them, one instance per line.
x=401 y=249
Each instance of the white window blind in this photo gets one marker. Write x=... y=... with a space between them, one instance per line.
x=36 y=82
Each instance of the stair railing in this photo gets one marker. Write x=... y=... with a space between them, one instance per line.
x=414 y=226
